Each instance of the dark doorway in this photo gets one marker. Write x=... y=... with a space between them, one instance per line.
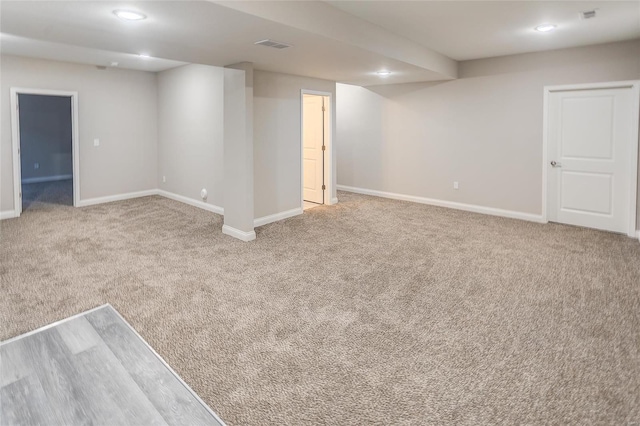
x=46 y=158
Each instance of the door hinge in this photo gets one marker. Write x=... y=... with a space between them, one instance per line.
x=324 y=147
x=20 y=194
x=323 y=110
x=324 y=187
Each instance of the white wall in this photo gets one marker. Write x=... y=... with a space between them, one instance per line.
x=190 y=131
x=277 y=146
x=169 y=125
x=45 y=136
x=238 y=152
x=116 y=106
x=483 y=130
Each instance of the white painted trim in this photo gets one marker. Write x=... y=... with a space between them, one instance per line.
x=7 y=214
x=276 y=217
x=236 y=233
x=15 y=148
x=633 y=160
x=638 y=235
x=196 y=203
x=117 y=197
x=634 y=85
x=75 y=149
x=545 y=153
x=449 y=204
x=47 y=179
x=334 y=200
x=15 y=137
x=586 y=86
x=328 y=166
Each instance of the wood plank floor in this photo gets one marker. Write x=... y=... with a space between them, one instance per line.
x=92 y=369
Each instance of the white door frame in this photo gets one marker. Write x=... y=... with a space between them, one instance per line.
x=328 y=153
x=15 y=136
x=634 y=85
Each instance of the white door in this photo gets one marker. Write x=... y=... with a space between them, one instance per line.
x=592 y=156
x=313 y=154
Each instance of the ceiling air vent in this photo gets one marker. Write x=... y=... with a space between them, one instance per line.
x=272 y=43
x=588 y=14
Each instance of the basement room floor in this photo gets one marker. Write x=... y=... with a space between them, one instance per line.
x=372 y=311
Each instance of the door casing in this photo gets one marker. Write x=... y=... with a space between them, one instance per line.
x=328 y=154
x=15 y=136
x=313 y=146
x=634 y=86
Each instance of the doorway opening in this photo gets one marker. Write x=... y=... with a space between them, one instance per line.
x=45 y=154
x=316 y=149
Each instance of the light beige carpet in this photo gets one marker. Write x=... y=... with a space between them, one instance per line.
x=369 y=312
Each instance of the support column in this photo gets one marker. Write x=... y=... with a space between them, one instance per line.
x=238 y=152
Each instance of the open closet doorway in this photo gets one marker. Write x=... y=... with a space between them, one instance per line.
x=45 y=157
x=316 y=131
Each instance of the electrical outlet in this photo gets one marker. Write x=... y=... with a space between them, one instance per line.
x=455 y=185
x=164 y=179
x=96 y=142
x=36 y=165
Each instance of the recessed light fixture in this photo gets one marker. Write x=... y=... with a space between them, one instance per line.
x=144 y=56
x=384 y=73
x=129 y=15
x=545 y=28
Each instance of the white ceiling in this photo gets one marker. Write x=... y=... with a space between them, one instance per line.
x=195 y=32
x=345 y=41
x=466 y=30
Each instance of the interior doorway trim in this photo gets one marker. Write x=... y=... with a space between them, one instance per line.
x=634 y=85
x=15 y=137
x=328 y=167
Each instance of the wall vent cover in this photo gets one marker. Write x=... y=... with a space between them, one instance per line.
x=588 y=14
x=273 y=43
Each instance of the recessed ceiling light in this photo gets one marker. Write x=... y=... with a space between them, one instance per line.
x=144 y=56
x=384 y=73
x=129 y=15
x=545 y=28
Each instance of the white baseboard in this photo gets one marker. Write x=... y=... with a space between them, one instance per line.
x=334 y=200
x=276 y=217
x=236 y=233
x=449 y=204
x=47 y=179
x=8 y=214
x=118 y=197
x=196 y=203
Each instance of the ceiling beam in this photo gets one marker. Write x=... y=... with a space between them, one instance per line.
x=322 y=19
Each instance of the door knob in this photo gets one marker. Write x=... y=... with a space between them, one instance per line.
x=554 y=164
